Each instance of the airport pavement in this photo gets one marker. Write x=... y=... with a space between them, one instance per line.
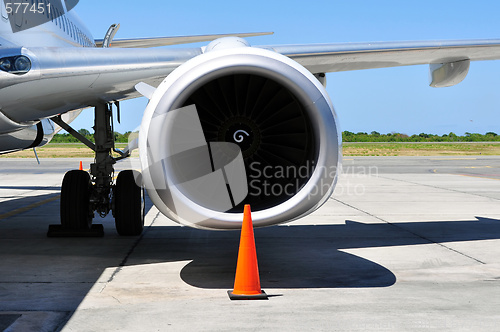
x=405 y=243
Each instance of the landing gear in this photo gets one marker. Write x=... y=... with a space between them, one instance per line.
x=75 y=194
x=84 y=194
x=129 y=205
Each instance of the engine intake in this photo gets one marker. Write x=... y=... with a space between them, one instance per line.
x=278 y=114
x=271 y=127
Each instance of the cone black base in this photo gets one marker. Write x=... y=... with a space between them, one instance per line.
x=261 y=296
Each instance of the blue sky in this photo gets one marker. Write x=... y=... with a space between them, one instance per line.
x=383 y=100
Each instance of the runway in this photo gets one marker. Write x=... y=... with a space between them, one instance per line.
x=405 y=243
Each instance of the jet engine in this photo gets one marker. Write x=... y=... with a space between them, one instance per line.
x=273 y=121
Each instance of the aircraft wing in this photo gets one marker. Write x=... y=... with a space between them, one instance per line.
x=76 y=77
x=166 y=41
x=324 y=58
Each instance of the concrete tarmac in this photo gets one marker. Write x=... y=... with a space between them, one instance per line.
x=405 y=243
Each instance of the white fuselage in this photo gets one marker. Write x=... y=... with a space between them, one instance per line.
x=63 y=31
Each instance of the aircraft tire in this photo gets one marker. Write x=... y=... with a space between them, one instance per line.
x=129 y=205
x=75 y=194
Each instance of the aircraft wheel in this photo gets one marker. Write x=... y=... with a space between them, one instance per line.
x=75 y=195
x=129 y=205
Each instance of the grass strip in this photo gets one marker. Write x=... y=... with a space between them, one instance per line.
x=78 y=150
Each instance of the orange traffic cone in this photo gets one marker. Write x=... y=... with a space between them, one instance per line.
x=81 y=166
x=246 y=281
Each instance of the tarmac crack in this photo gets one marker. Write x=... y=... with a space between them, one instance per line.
x=408 y=231
x=129 y=253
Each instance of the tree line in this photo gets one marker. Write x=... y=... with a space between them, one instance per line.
x=347 y=136
x=374 y=136
x=68 y=138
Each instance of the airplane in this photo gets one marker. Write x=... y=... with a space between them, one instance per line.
x=268 y=101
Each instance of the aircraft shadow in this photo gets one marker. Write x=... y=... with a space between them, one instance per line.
x=30 y=188
x=51 y=274
x=14 y=203
x=56 y=274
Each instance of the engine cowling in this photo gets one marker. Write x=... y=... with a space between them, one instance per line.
x=275 y=110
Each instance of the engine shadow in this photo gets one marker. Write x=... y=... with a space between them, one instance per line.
x=302 y=256
x=292 y=263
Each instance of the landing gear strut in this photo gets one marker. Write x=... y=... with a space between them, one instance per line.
x=84 y=194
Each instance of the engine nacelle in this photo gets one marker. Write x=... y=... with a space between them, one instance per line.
x=277 y=113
